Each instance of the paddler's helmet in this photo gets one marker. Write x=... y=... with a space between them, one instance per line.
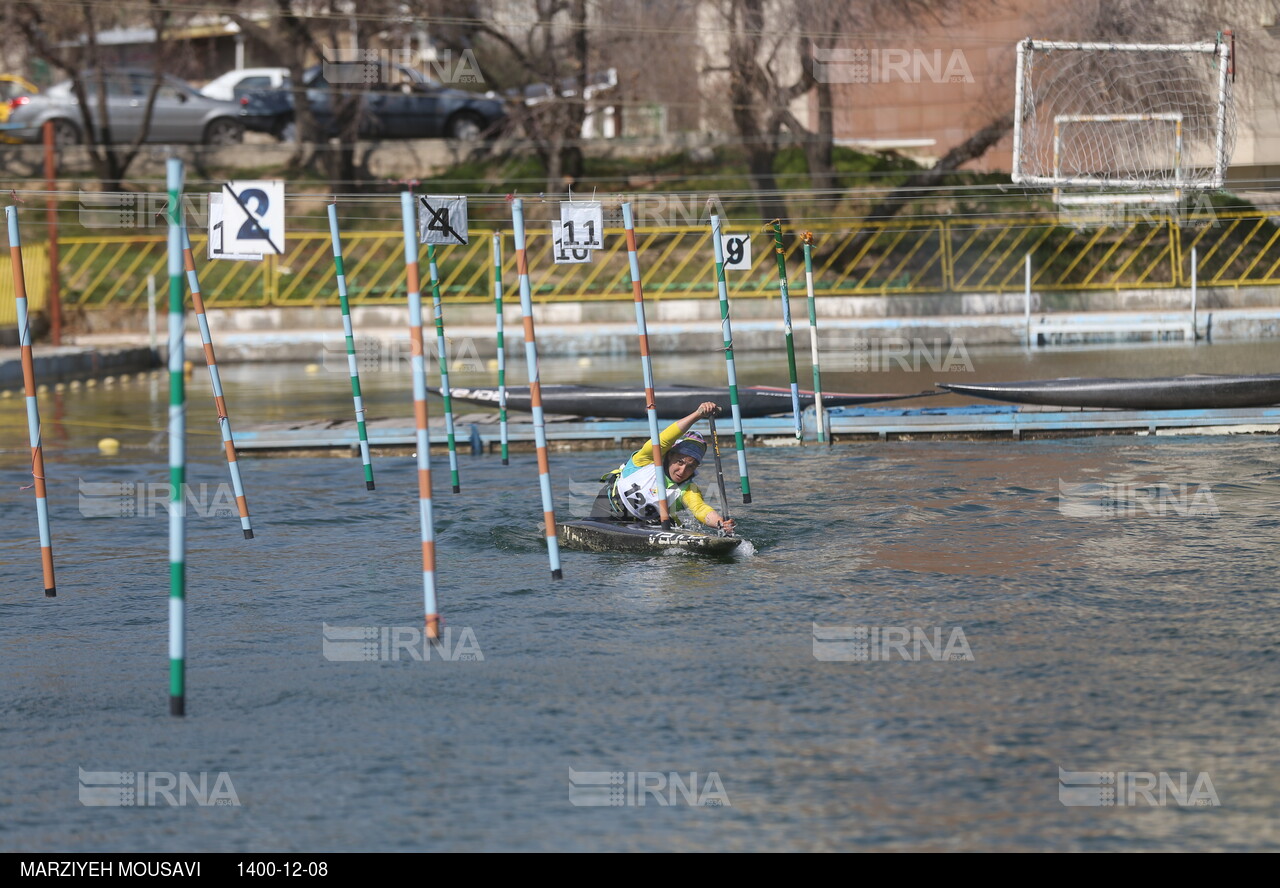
x=692 y=444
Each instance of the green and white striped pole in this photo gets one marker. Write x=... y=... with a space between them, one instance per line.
x=351 y=346
x=807 y=237
x=723 y=287
x=443 y=351
x=177 y=451
x=502 y=352
x=786 y=326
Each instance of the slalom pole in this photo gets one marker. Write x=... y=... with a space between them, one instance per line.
x=347 y=331
x=786 y=326
x=738 y=437
x=646 y=364
x=535 y=386
x=442 y=349
x=33 y=408
x=715 y=445
x=219 y=400
x=418 y=363
x=502 y=352
x=807 y=237
x=177 y=451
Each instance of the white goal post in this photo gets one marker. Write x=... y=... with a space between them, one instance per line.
x=1123 y=116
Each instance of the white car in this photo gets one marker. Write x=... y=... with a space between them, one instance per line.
x=233 y=84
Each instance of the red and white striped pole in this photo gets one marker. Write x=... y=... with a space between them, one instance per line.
x=418 y=364
x=535 y=387
x=33 y=410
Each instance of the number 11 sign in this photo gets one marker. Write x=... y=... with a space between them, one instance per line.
x=582 y=223
x=253 y=217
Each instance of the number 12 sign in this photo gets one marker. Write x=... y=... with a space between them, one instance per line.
x=253 y=217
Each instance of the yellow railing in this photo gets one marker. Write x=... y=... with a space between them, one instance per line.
x=883 y=258
x=35 y=278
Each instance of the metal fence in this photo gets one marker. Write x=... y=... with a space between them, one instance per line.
x=882 y=258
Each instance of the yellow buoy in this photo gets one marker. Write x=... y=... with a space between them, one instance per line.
x=187 y=367
x=584 y=362
x=91 y=383
x=108 y=446
x=312 y=368
x=74 y=384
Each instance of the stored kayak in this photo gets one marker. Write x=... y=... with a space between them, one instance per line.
x=672 y=401
x=605 y=535
x=1164 y=393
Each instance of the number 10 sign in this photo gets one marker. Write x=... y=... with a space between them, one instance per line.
x=253 y=217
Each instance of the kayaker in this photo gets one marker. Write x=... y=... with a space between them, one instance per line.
x=631 y=490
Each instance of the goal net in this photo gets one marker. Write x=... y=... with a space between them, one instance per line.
x=1145 y=121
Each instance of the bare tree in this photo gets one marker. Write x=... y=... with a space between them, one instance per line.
x=48 y=30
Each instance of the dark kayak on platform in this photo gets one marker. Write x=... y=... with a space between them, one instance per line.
x=1165 y=393
x=672 y=401
x=605 y=535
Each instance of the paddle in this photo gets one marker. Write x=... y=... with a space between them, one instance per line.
x=715 y=446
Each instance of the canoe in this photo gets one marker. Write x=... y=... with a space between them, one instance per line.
x=1163 y=393
x=605 y=535
x=672 y=401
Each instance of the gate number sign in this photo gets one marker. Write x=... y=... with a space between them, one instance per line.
x=253 y=217
x=442 y=220
x=582 y=222
x=737 y=251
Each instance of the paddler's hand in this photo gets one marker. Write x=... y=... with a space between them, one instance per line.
x=708 y=408
x=727 y=526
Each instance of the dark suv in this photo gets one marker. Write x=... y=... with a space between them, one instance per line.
x=394 y=102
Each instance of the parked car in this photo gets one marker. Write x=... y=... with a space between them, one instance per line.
x=231 y=86
x=180 y=113
x=14 y=91
x=396 y=102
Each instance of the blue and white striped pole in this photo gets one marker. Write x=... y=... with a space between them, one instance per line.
x=535 y=387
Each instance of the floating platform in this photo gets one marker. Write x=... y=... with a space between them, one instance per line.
x=479 y=433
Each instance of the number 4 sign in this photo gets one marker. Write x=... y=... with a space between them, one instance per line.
x=582 y=222
x=253 y=217
x=442 y=220
x=737 y=251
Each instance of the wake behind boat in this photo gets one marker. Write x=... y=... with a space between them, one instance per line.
x=1163 y=393
x=672 y=401
x=612 y=535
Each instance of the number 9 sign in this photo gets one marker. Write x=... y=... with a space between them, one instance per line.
x=737 y=251
x=253 y=217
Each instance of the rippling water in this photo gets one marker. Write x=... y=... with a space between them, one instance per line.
x=1128 y=630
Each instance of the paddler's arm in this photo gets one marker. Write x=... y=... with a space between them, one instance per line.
x=702 y=510
x=673 y=432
